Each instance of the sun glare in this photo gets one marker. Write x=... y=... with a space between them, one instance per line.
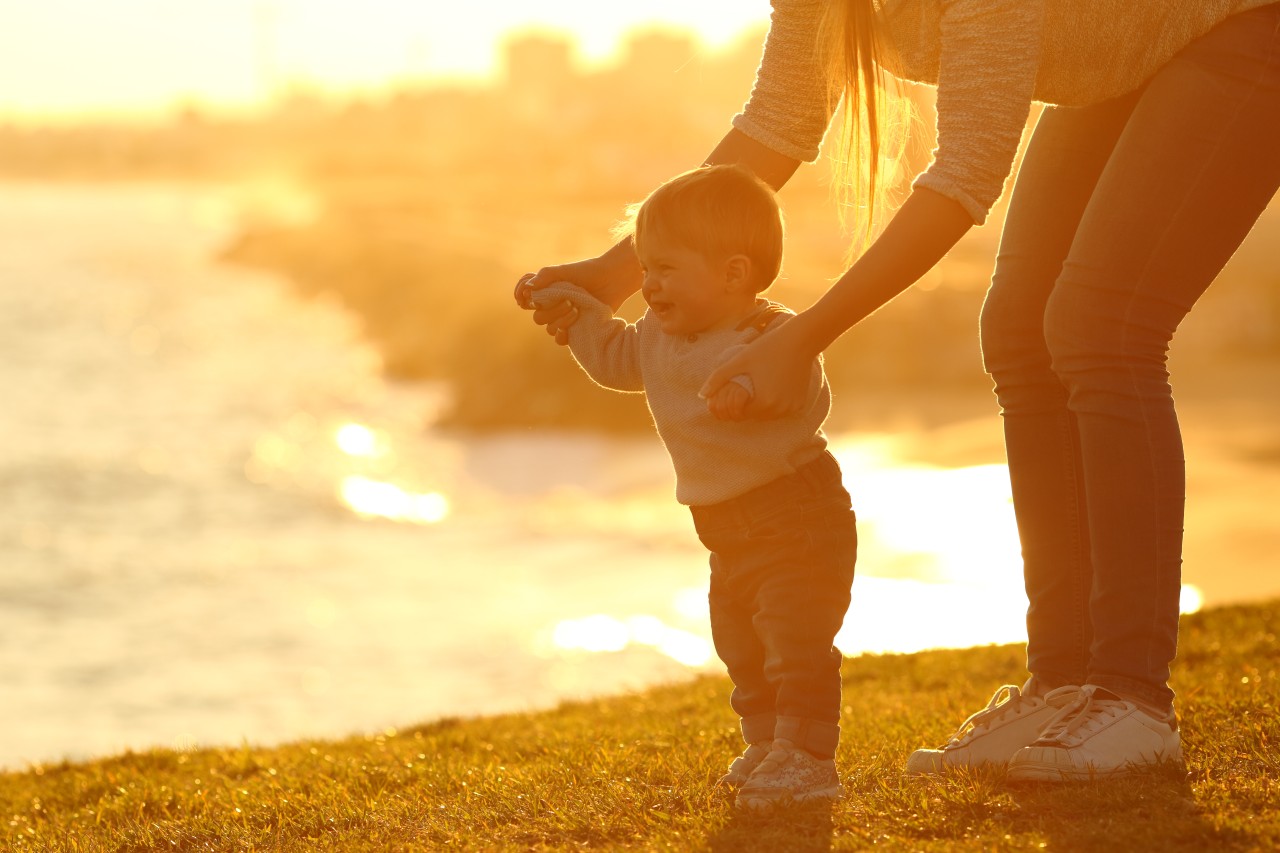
x=1191 y=599
x=602 y=633
x=356 y=440
x=147 y=56
x=692 y=603
x=376 y=499
x=939 y=566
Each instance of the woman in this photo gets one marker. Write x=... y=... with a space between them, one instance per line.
x=1162 y=149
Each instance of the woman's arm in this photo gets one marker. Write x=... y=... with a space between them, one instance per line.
x=768 y=165
x=922 y=231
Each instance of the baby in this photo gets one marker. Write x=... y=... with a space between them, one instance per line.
x=766 y=496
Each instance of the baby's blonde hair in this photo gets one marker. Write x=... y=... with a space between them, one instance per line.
x=717 y=211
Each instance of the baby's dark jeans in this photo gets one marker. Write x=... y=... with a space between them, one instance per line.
x=782 y=560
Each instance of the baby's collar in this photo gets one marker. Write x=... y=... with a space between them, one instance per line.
x=763 y=315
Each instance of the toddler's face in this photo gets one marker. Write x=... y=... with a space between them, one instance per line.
x=686 y=291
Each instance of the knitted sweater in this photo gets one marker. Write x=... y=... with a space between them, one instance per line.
x=714 y=460
x=989 y=59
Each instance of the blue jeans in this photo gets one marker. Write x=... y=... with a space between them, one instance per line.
x=782 y=562
x=1122 y=215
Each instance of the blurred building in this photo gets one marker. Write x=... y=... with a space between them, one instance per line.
x=537 y=75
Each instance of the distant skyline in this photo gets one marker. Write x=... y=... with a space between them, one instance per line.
x=62 y=59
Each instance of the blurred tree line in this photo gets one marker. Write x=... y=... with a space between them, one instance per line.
x=430 y=201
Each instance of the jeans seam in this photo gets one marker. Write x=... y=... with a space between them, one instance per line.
x=1077 y=545
x=1130 y=371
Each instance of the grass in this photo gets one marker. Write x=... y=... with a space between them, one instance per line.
x=636 y=772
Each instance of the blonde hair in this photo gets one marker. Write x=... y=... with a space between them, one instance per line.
x=876 y=117
x=717 y=211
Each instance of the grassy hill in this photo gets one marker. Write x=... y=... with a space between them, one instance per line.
x=637 y=772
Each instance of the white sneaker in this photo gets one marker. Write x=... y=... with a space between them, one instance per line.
x=1011 y=720
x=1099 y=735
x=789 y=774
x=744 y=765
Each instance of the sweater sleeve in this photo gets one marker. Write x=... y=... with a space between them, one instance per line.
x=990 y=55
x=606 y=347
x=788 y=110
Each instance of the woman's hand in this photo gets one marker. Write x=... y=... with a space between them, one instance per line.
x=611 y=278
x=923 y=230
x=780 y=365
x=556 y=316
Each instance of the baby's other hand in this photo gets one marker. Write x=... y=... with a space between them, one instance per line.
x=730 y=401
x=524 y=292
x=557 y=315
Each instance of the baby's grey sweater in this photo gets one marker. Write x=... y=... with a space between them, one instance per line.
x=989 y=59
x=714 y=460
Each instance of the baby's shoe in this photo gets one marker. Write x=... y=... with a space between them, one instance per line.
x=1012 y=719
x=790 y=774
x=744 y=765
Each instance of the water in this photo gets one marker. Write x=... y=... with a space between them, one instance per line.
x=222 y=525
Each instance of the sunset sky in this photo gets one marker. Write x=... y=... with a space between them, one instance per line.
x=61 y=58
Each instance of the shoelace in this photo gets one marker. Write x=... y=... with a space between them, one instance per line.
x=1007 y=699
x=1083 y=717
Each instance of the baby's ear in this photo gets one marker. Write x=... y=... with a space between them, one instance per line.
x=737 y=274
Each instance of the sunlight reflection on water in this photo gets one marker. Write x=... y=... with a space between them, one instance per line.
x=601 y=633
x=374 y=499
x=939 y=559
x=939 y=562
x=358 y=440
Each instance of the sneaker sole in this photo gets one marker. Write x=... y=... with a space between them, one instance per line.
x=1043 y=772
x=933 y=764
x=1031 y=773
x=761 y=801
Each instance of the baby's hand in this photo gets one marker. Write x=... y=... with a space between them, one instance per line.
x=547 y=308
x=730 y=400
x=524 y=293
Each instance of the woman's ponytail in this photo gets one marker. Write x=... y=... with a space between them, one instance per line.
x=874 y=120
